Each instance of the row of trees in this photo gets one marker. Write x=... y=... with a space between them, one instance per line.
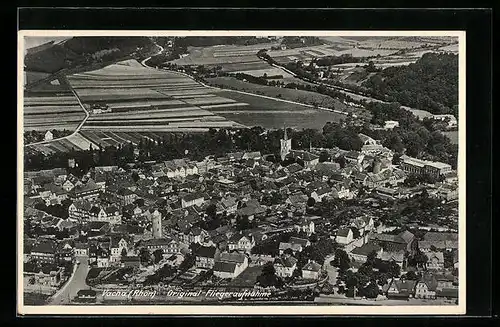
x=37 y=136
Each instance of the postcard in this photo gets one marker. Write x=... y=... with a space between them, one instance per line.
x=241 y=172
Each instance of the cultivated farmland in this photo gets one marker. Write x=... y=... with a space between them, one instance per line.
x=51 y=110
x=144 y=99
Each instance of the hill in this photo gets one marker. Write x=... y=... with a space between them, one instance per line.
x=81 y=51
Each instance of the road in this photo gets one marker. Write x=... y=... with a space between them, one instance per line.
x=87 y=115
x=159 y=52
x=331 y=270
x=75 y=283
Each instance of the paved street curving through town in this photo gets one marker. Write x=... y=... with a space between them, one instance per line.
x=74 y=284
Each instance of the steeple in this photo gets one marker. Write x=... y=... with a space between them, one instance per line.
x=286 y=145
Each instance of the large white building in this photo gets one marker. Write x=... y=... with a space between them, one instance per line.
x=421 y=167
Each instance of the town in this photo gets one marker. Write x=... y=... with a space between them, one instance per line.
x=315 y=224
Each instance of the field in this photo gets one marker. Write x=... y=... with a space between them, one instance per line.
x=51 y=110
x=76 y=142
x=30 y=77
x=231 y=58
x=145 y=99
x=270 y=113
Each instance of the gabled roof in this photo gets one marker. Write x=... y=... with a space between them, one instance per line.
x=312 y=266
x=285 y=261
x=343 y=232
x=232 y=257
x=228 y=267
x=206 y=252
x=44 y=247
x=366 y=249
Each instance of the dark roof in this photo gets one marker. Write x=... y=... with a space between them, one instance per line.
x=193 y=196
x=366 y=249
x=44 y=247
x=225 y=266
x=232 y=257
x=206 y=252
x=343 y=232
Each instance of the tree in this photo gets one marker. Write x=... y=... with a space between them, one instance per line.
x=370 y=259
x=124 y=252
x=341 y=260
x=211 y=210
x=145 y=256
x=311 y=202
x=158 y=255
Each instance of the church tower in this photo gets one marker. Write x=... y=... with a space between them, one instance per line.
x=156 y=228
x=286 y=146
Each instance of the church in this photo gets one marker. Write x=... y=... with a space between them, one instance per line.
x=310 y=160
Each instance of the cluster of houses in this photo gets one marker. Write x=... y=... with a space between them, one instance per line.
x=113 y=214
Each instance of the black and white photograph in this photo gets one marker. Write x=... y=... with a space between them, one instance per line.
x=313 y=172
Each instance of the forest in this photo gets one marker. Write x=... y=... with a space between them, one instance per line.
x=430 y=84
x=79 y=51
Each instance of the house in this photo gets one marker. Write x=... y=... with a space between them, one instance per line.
x=295 y=244
x=390 y=124
x=344 y=236
x=81 y=249
x=125 y=196
x=366 y=140
x=241 y=242
x=86 y=296
x=205 y=257
x=195 y=235
x=311 y=270
x=167 y=245
x=285 y=266
x=310 y=160
x=435 y=260
x=44 y=251
x=102 y=259
x=229 y=205
x=403 y=241
x=252 y=155
x=360 y=254
x=318 y=195
x=192 y=199
x=48 y=275
x=130 y=261
x=89 y=190
x=118 y=244
x=48 y=136
x=364 y=224
x=230 y=265
x=305 y=225
x=68 y=185
x=354 y=157
x=402 y=289
x=398 y=257
x=421 y=167
x=426 y=287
